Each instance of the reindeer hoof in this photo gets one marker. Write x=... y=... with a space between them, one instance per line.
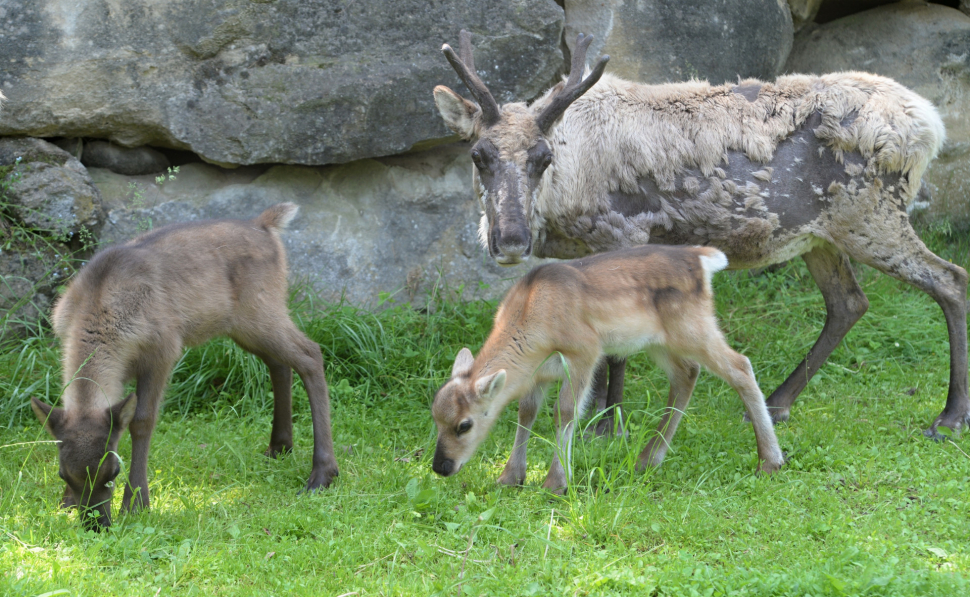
x=607 y=427
x=555 y=490
x=555 y=485
x=511 y=480
x=953 y=423
x=320 y=478
x=768 y=469
x=277 y=451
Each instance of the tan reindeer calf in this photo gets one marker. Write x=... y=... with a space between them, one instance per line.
x=653 y=298
x=129 y=313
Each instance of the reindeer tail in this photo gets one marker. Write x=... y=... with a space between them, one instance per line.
x=278 y=217
x=712 y=261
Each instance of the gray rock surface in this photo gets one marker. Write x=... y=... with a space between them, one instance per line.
x=249 y=82
x=803 y=12
x=123 y=160
x=46 y=188
x=923 y=46
x=656 y=41
x=401 y=225
x=47 y=199
x=30 y=272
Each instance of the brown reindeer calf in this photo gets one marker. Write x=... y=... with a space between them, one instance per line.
x=652 y=298
x=129 y=313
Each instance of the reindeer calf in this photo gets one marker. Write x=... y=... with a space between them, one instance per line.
x=656 y=298
x=129 y=313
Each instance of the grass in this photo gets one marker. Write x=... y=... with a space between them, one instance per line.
x=864 y=506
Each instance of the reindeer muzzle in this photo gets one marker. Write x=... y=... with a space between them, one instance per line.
x=442 y=465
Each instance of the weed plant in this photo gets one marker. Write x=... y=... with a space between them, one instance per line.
x=864 y=506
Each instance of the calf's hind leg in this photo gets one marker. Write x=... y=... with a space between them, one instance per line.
x=735 y=369
x=275 y=334
x=682 y=374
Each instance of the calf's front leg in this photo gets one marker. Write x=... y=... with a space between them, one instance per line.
x=151 y=386
x=515 y=468
x=573 y=394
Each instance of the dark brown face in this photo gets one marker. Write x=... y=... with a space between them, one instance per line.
x=89 y=468
x=87 y=454
x=507 y=184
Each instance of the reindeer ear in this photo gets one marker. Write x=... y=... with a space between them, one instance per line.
x=49 y=416
x=459 y=114
x=490 y=385
x=463 y=363
x=123 y=412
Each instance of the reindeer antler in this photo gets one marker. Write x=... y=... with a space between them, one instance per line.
x=465 y=67
x=574 y=86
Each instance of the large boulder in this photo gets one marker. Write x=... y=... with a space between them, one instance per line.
x=923 y=46
x=47 y=190
x=656 y=41
x=249 y=82
x=31 y=269
x=402 y=225
x=51 y=210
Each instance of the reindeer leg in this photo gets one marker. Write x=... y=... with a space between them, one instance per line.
x=845 y=304
x=275 y=334
x=612 y=421
x=735 y=369
x=682 y=374
x=599 y=397
x=281 y=437
x=515 y=468
x=572 y=396
x=150 y=388
x=903 y=256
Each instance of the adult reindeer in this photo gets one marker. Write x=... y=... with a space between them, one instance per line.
x=818 y=166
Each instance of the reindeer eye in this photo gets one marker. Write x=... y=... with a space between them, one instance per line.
x=546 y=161
x=463 y=427
x=477 y=157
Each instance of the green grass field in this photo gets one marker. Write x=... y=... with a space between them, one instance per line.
x=864 y=506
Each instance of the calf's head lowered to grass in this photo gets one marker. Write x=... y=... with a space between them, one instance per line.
x=87 y=448
x=464 y=413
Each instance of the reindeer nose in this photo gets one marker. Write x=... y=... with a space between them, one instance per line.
x=442 y=465
x=512 y=244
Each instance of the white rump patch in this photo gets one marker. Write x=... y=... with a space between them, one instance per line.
x=712 y=263
x=288 y=212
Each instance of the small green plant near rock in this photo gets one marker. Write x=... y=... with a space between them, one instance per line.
x=138 y=202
